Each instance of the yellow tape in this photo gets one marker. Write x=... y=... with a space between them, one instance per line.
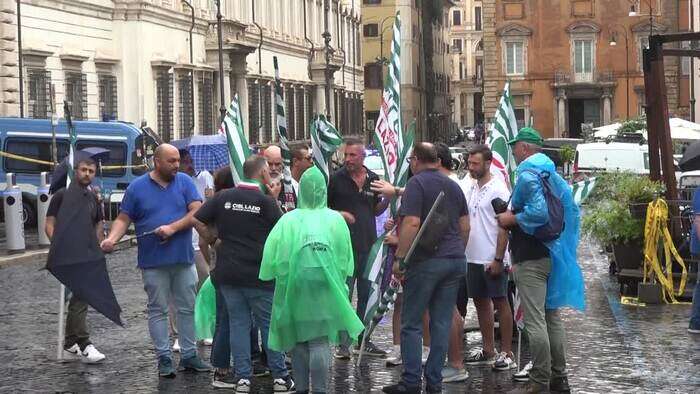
x=48 y=163
x=655 y=230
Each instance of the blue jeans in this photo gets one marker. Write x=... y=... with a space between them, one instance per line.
x=695 y=314
x=179 y=284
x=363 y=285
x=239 y=304
x=312 y=360
x=432 y=285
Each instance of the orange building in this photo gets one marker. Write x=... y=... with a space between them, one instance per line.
x=576 y=62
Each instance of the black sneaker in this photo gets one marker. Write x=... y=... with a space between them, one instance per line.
x=260 y=369
x=432 y=389
x=401 y=388
x=165 y=367
x=283 y=385
x=559 y=385
x=371 y=350
x=194 y=364
x=224 y=381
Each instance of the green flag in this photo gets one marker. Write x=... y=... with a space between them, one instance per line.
x=282 y=128
x=581 y=190
x=503 y=129
x=73 y=137
x=325 y=140
x=238 y=149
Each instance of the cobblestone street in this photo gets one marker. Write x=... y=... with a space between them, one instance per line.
x=612 y=348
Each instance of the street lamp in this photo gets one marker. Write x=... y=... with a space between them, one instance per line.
x=613 y=42
x=222 y=107
x=633 y=12
x=188 y=4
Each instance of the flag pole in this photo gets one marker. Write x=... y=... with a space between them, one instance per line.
x=520 y=344
x=378 y=315
x=61 y=313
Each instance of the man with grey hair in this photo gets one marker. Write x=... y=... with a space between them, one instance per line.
x=244 y=217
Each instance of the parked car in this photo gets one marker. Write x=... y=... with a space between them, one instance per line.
x=614 y=156
x=32 y=138
x=373 y=162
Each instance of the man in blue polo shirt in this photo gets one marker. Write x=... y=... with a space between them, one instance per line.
x=161 y=204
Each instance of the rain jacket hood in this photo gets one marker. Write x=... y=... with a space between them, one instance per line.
x=565 y=284
x=309 y=255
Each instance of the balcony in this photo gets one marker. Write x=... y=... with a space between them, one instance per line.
x=564 y=78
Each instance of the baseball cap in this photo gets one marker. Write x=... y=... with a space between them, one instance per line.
x=527 y=134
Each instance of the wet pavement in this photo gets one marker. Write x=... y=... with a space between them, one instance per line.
x=612 y=348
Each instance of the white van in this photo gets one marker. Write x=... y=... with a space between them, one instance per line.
x=613 y=156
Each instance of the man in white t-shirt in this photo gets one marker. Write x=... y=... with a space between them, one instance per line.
x=487 y=276
x=204 y=182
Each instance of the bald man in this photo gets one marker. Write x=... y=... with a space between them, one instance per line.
x=161 y=204
x=287 y=199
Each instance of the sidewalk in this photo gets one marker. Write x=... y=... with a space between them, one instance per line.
x=612 y=348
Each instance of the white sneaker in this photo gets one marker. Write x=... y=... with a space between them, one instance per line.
x=207 y=341
x=72 y=353
x=394 y=358
x=91 y=355
x=243 y=386
x=524 y=374
x=504 y=362
x=452 y=374
x=425 y=354
x=176 y=346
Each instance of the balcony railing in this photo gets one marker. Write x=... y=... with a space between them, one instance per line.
x=564 y=77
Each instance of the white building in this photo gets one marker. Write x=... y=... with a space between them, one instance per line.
x=467 y=61
x=130 y=60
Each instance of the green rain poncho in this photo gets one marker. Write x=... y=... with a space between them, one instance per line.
x=309 y=255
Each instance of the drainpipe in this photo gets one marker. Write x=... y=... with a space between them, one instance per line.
x=306 y=38
x=19 y=53
x=260 y=44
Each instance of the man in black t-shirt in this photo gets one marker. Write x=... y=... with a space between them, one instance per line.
x=349 y=193
x=244 y=217
x=77 y=339
x=434 y=270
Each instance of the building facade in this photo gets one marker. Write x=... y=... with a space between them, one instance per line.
x=425 y=62
x=467 y=53
x=578 y=62
x=133 y=60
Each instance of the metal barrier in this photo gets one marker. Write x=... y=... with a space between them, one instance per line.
x=14 y=223
x=43 y=199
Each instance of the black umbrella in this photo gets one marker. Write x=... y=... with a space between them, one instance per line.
x=691 y=158
x=59 y=177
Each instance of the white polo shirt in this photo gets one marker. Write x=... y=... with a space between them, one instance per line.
x=483 y=234
x=202 y=181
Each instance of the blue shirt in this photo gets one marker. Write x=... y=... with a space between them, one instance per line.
x=149 y=206
x=694 y=241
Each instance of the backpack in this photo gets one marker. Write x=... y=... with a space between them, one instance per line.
x=555 y=225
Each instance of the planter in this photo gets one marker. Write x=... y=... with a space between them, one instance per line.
x=628 y=255
x=639 y=210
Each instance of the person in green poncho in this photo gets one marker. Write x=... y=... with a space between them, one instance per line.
x=309 y=255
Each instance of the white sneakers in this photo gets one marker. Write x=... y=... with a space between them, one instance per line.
x=176 y=346
x=394 y=358
x=88 y=356
x=91 y=355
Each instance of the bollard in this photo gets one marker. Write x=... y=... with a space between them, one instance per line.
x=43 y=198
x=14 y=223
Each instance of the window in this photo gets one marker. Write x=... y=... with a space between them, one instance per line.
x=370 y=30
x=461 y=70
x=457 y=45
x=266 y=99
x=685 y=60
x=39 y=93
x=117 y=155
x=289 y=112
x=373 y=76
x=520 y=117
x=299 y=117
x=514 y=58
x=107 y=85
x=643 y=43
x=308 y=108
x=185 y=105
x=479 y=65
x=583 y=60
x=477 y=18
x=76 y=94
x=456 y=18
x=254 y=120
x=35 y=148
x=371 y=1
x=164 y=102
x=206 y=105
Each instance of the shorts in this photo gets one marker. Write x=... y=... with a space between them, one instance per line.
x=462 y=298
x=480 y=284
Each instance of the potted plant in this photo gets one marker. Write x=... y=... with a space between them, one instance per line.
x=639 y=191
x=567 y=154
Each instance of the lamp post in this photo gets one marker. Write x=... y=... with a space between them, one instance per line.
x=222 y=107
x=381 y=37
x=329 y=53
x=613 y=42
x=188 y=4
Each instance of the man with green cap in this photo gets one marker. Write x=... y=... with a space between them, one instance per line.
x=546 y=273
x=309 y=256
